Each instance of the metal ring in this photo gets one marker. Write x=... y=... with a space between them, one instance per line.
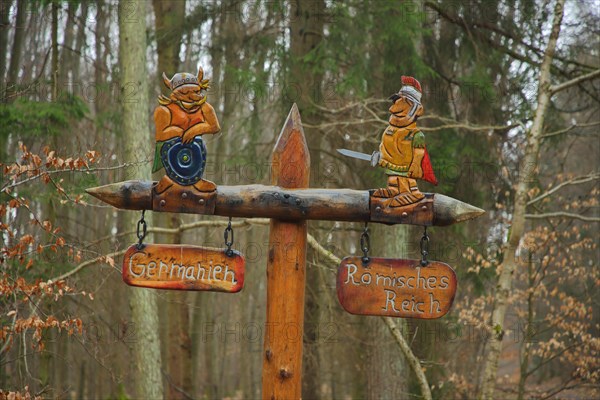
x=424 y=244
x=228 y=231
x=365 y=243
x=144 y=226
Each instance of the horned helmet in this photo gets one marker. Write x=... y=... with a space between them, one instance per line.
x=407 y=105
x=186 y=90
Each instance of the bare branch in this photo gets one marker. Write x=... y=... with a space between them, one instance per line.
x=363 y=103
x=413 y=361
x=574 y=181
x=332 y=258
x=564 y=386
x=174 y=386
x=87 y=264
x=7 y=340
x=570 y=128
x=58 y=171
x=448 y=122
x=343 y=123
x=561 y=214
x=469 y=127
x=381 y=121
x=582 y=78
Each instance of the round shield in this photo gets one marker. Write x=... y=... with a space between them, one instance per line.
x=184 y=163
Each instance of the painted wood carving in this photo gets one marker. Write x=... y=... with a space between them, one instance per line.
x=181 y=119
x=396 y=287
x=402 y=153
x=183 y=267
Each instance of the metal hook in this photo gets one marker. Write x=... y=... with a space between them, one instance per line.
x=365 y=244
x=424 y=248
x=141 y=225
x=228 y=243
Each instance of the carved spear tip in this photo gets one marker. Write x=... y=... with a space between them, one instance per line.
x=99 y=192
x=450 y=211
x=130 y=195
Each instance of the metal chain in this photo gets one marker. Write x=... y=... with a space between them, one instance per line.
x=228 y=243
x=424 y=248
x=365 y=244
x=143 y=227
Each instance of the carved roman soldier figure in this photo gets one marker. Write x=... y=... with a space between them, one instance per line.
x=402 y=151
x=181 y=119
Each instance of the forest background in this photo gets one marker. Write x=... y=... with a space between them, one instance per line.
x=511 y=95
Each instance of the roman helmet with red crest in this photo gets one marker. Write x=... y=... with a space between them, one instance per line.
x=411 y=90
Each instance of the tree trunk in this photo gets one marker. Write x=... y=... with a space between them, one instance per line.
x=527 y=167
x=138 y=145
x=54 y=68
x=100 y=67
x=526 y=342
x=15 y=55
x=80 y=42
x=306 y=31
x=168 y=23
x=66 y=52
x=168 y=28
x=4 y=29
x=392 y=381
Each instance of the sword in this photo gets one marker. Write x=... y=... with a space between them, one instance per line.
x=373 y=158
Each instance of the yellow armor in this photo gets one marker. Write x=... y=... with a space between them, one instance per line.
x=396 y=149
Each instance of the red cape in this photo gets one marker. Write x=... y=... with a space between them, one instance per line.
x=428 y=174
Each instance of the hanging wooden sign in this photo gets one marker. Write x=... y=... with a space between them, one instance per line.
x=396 y=287
x=181 y=267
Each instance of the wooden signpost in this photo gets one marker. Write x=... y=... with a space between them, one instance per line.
x=394 y=287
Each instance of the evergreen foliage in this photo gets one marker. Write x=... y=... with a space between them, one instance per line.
x=27 y=118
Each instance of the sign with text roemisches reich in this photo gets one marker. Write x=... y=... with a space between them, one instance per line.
x=396 y=287
x=182 y=267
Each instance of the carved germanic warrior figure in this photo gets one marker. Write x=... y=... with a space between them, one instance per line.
x=402 y=151
x=181 y=119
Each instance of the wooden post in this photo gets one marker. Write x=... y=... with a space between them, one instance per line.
x=286 y=268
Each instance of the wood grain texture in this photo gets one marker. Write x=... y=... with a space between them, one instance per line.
x=182 y=267
x=260 y=201
x=396 y=288
x=286 y=268
x=292 y=204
